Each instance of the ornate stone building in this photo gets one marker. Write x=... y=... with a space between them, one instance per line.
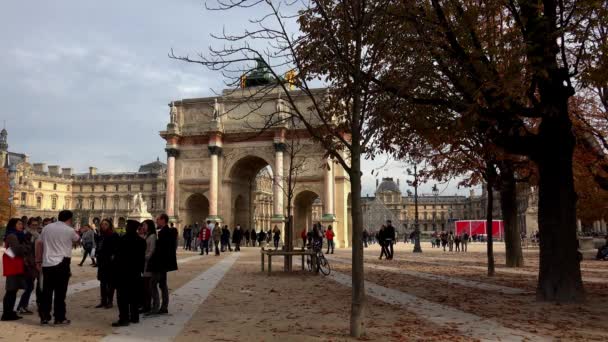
x=43 y=191
x=438 y=212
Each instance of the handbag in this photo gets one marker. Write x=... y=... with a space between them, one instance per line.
x=12 y=265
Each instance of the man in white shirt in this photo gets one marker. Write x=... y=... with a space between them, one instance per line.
x=56 y=240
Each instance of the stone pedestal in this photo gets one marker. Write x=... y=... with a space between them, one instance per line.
x=586 y=246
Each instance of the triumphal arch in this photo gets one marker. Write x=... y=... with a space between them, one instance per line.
x=217 y=146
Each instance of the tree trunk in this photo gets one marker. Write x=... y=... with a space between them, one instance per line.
x=508 y=205
x=357 y=315
x=489 y=207
x=559 y=276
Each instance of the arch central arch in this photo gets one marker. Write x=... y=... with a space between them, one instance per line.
x=248 y=189
x=306 y=211
x=197 y=208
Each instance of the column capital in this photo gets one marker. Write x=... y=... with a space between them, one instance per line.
x=172 y=152
x=215 y=150
x=280 y=146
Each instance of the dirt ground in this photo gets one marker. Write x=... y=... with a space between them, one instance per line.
x=249 y=305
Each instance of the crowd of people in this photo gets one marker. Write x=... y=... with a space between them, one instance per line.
x=133 y=266
x=221 y=238
x=453 y=242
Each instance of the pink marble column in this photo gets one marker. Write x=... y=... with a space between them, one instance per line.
x=215 y=150
x=277 y=199
x=328 y=193
x=170 y=195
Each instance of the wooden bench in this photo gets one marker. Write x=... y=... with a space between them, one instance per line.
x=270 y=253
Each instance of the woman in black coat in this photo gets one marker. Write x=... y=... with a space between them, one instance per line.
x=129 y=264
x=107 y=247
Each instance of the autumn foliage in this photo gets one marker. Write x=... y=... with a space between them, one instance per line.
x=6 y=208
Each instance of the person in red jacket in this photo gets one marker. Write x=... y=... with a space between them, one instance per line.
x=304 y=236
x=204 y=236
x=329 y=235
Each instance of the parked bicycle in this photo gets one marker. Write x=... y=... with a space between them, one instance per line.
x=319 y=264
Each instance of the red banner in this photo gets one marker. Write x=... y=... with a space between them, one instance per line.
x=478 y=227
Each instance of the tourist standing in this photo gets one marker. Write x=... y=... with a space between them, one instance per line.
x=204 y=236
x=276 y=236
x=195 y=231
x=163 y=260
x=303 y=236
x=87 y=241
x=32 y=234
x=390 y=239
x=129 y=264
x=13 y=261
x=444 y=239
x=217 y=237
x=365 y=237
x=147 y=279
x=261 y=238
x=381 y=237
x=457 y=242
x=106 y=252
x=57 y=239
x=237 y=237
x=329 y=235
x=187 y=235
x=247 y=237
x=253 y=236
x=465 y=241
x=451 y=241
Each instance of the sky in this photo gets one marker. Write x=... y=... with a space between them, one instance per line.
x=87 y=83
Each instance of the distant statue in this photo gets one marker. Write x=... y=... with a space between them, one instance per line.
x=216 y=110
x=173 y=113
x=139 y=205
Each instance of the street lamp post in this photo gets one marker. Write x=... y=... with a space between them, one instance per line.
x=435 y=194
x=417 y=248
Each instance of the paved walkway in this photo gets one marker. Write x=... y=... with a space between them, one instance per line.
x=500 y=270
x=468 y=324
x=437 y=277
x=184 y=303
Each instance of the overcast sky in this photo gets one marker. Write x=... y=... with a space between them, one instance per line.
x=86 y=83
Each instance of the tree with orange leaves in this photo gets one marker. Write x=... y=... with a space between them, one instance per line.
x=6 y=208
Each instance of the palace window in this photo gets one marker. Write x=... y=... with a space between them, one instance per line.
x=80 y=187
x=92 y=188
x=69 y=187
x=152 y=203
x=20 y=179
x=103 y=203
x=66 y=204
x=39 y=202
x=141 y=187
x=54 y=203
x=154 y=187
x=23 y=197
x=54 y=186
x=116 y=187
x=129 y=187
x=92 y=204
x=116 y=200
x=104 y=188
x=39 y=185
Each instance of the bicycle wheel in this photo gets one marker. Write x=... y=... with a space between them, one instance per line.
x=324 y=265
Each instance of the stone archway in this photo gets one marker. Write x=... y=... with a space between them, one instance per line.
x=303 y=211
x=240 y=189
x=240 y=212
x=197 y=209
